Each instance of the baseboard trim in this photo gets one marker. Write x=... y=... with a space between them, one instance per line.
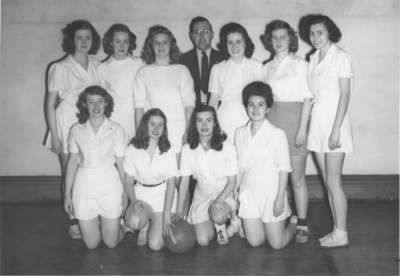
x=24 y=189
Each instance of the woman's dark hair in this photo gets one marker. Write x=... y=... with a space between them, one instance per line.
x=333 y=30
x=266 y=38
x=258 y=88
x=109 y=36
x=217 y=137
x=196 y=20
x=234 y=28
x=83 y=114
x=148 y=54
x=69 y=31
x=141 y=139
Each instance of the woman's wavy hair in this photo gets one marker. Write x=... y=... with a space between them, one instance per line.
x=258 y=88
x=69 y=31
x=333 y=30
x=148 y=54
x=266 y=38
x=141 y=139
x=83 y=114
x=217 y=137
x=109 y=36
x=234 y=27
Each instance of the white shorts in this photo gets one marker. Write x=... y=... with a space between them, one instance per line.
x=155 y=196
x=97 y=192
x=198 y=212
x=257 y=196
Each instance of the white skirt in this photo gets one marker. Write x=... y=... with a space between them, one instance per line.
x=322 y=120
x=65 y=118
x=231 y=115
x=155 y=196
x=201 y=202
x=257 y=196
x=125 y=116
x=97 y=192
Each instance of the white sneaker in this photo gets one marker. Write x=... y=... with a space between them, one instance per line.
x=338 y=238
x=327 y=236
x=74 y=232
x=222 y=235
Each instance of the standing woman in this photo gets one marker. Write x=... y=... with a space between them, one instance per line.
x=330 y=136
x=228 y=78
x=94 y=192
x=67 y=79
x=118 y=71
x=212 y=162
x=286 y=73
x=264 y=165
x=165 y=84
x=150 y=171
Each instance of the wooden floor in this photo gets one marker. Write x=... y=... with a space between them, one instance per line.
x=34 y=241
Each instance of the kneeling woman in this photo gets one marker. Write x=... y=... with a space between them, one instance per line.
x=264 y=164
x=212 y=162
x=150 y=175
x=93 y=185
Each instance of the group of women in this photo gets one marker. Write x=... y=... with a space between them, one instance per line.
x=241 y=148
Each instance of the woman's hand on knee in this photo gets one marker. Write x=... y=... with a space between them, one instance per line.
x=279 y=205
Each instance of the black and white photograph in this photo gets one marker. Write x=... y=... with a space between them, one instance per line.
x=199 y=137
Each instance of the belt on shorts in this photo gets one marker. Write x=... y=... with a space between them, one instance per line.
x=150 y=185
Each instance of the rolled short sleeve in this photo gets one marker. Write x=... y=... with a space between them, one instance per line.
x=231 y=166
x=185 y=164
x=213 y=85
x=344 y=66
x=129 y=165
x=170 y=165
x=56 y=78
x=120 y=142
x=139 y=89
x=303 y=88
x=282 y=152
x=72 y=142
x=187 y=88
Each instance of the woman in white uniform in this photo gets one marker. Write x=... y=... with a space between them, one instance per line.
x=228 y=78
x=211 y=160
x=118 y=72
x=150 y=172
x=264 y=165
x=165 y=84
x=330 y=136
x=286 y=73
x=66 y=80
x=94 y=192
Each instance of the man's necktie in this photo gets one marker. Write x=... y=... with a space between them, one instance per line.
x=204 y=73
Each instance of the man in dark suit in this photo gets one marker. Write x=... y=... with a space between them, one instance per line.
x=201 y=58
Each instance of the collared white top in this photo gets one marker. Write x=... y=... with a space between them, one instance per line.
x=323 y=77
x=228 y=78
x=68 y=78
x=288 y=79
x=169 y=88
x=118 y=76
x=139 y=164
x=209 y=167
x=97 y=150
x=264 y=153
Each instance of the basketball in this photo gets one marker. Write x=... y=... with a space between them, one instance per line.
x=183 y=237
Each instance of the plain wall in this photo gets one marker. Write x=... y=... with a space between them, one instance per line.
x=31 y=39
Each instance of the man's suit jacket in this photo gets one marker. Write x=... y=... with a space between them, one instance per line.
x=190 y=60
